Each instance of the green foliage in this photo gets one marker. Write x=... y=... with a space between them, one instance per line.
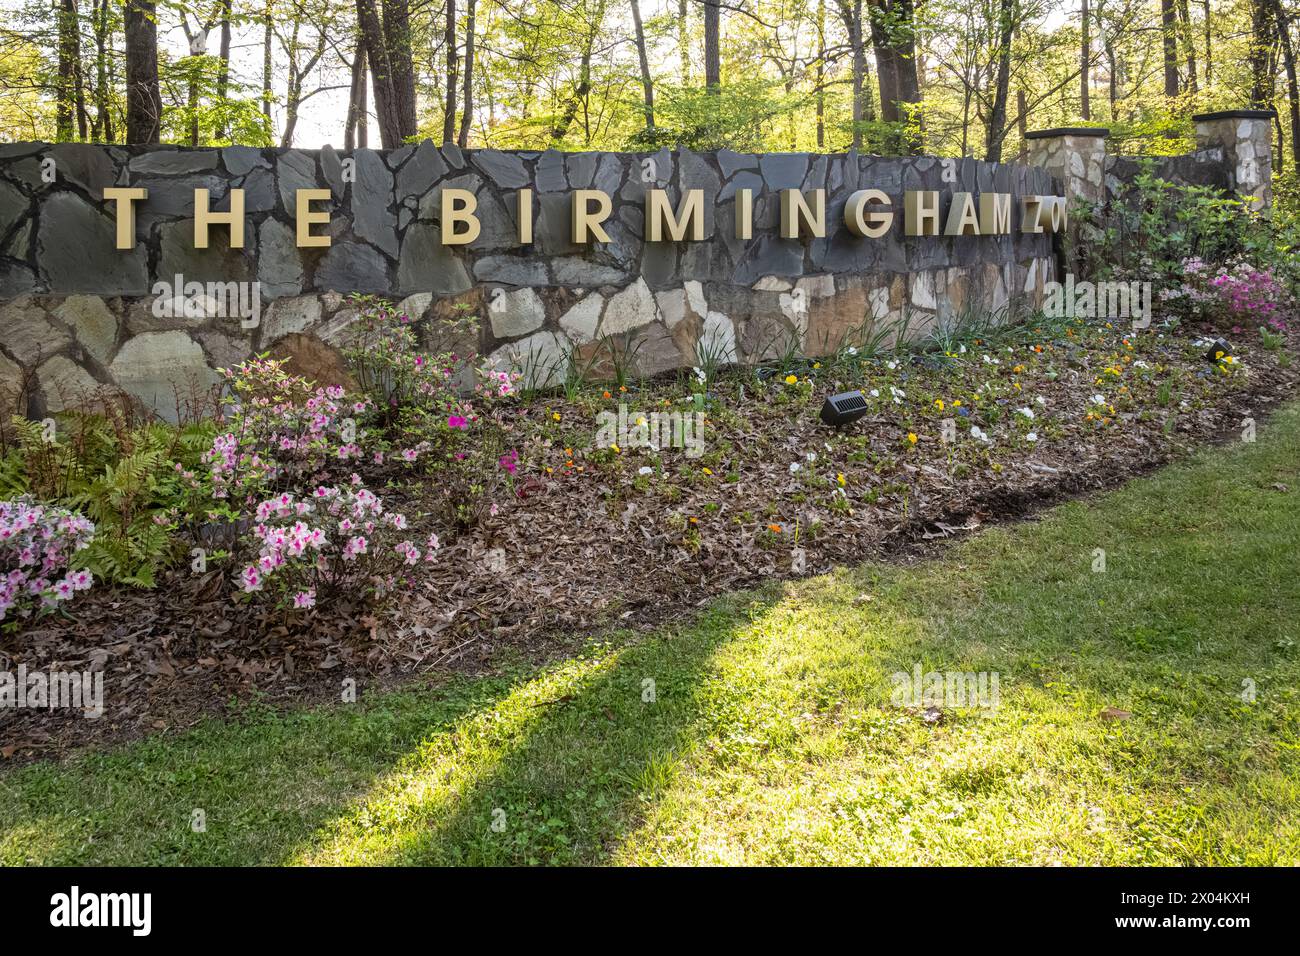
x=139 y=483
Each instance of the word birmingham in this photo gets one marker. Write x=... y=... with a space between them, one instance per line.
x=103 y=909
x=868 y=213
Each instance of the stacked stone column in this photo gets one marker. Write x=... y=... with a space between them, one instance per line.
x=1245 y=136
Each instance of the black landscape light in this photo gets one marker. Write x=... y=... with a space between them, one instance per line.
x=843 y=409
x=1219 y=350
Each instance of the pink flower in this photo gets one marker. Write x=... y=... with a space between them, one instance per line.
x=457 y=421
x=305 y=599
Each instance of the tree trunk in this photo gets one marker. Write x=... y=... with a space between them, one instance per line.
x=467 y=117
x=996 y=131
x=821 y=74
x=1292 y=87
x=647 y=84
x=449 y=104
x=712 y=51
x=356 y=98
x=1085 y=62
x=1189 y=43
x=103 y=110
x=381 y=73
x=223 y=69
x=397 y=36
x=1022 y=123
x=1261 y=42
x=266 y=66
x=143 y=98
x=1169 y=39
x=893 y=35
x=684 y=39
x=69 y=103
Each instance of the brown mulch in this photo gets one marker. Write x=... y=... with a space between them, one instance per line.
x=593 y=544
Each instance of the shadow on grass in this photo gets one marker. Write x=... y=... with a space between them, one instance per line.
x=575 y=759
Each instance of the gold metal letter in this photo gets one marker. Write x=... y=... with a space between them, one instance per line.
x=205 y=217
x=689 y=213
x=585 y=220
x=303 y=199
x=124 y=199
x=921 y=212
x=525 y=209
x=862 y=222
x=744 y=214
x=458 y=206
x=961 y=216
x=796 y=215
x=995 y=214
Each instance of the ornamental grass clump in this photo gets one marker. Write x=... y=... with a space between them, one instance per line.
x=38 y=546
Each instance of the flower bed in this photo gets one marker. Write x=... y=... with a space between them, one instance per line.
x=367 y=538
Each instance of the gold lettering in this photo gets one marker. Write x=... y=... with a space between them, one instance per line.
x=303 y=199
x=797 y=217
x=921 y=212
x=204 y=217
x=658 y=214
x=458 y=207
x=861 y=221
x=124 y=200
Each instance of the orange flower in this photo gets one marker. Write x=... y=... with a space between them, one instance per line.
x=774 y=528
x=607 y=395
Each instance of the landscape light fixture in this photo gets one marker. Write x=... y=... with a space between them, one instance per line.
x=843 y=409
x=1219 y=350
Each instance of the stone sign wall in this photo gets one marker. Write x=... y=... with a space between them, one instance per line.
x=75 y=312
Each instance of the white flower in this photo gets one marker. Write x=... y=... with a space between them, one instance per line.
x=1099 y=399
x=811 y=457
x=645 y=470
x=794 y=466
x=1040 y=400
x=1032 y=436
x=891 y=364
x=1027 y=412
x=875 y=393
x=851 y=350
x=977 y=432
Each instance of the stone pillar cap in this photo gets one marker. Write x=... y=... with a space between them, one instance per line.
x=1100 y=131
x=1234 y=114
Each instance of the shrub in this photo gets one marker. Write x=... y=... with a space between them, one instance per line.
x=337 y=541
x=281 y=432
x=136 y=480
x=37 y=546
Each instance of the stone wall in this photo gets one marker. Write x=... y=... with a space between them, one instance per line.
x=76 y=313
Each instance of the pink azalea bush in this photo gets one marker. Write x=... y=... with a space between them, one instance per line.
x=336 y=540
x=37 y=544
x=1250 y=295
x=1238 y=293
x=280 y=430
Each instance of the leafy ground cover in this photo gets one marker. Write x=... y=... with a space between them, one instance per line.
x=1148 y=714
x=591 y=534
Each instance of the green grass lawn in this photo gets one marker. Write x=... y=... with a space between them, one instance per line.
x=771 y=737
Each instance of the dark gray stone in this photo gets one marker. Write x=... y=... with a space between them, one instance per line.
x=504 y=169
x=242 y=160
x=352 y=267
x=279 y=260
x=511 y=270
x=426 y=265
x=15 y=279
x=783 y=170
x=217 y=263
x=171 y=198
x=174 y=162
x=13 y=207
x=770 y=256
x=76 y=247
x=372 y=196
x=550 y=173
x=418 y=175
x=331 y=167
x=84 y=165
x=730 y=162
x=583 y=273
x=295 y=170
x=259 y=191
